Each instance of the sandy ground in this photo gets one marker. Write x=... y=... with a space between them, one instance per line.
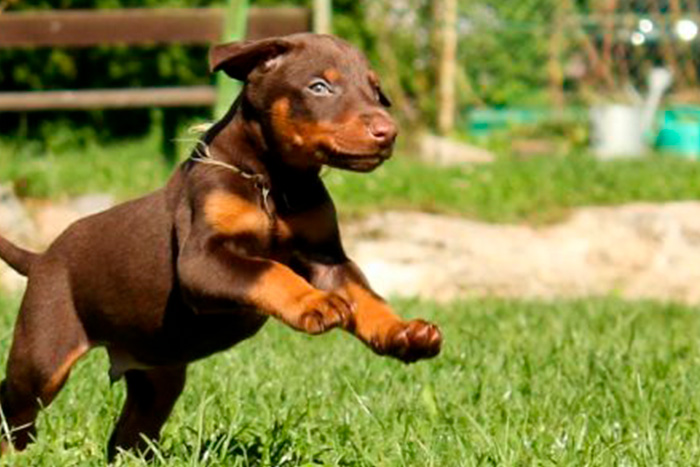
x=635 y=251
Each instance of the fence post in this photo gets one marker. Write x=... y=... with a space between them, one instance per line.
x=234 y=29
x=323 y=11
x=447 y=66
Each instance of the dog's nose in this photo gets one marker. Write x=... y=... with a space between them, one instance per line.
x=383 y=130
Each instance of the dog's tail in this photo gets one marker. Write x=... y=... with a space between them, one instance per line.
x=19 y=259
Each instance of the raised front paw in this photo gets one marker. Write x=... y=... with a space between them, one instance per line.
x=322 y=311
x=413 y=340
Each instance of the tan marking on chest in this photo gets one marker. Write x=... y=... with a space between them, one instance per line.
x=230 y=214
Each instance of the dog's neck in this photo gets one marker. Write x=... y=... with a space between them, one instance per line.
x=239 y=140
x=233 y=141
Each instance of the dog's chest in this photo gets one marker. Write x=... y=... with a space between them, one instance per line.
x=274 y=225
x=303 y=217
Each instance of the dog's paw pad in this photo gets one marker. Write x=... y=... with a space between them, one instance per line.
x=414 y=340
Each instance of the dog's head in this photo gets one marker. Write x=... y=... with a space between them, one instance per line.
x=315 y=97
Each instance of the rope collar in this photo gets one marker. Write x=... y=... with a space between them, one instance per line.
x=203 y=156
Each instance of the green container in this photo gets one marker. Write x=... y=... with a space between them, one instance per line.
x=483 y=122
x=679 y=132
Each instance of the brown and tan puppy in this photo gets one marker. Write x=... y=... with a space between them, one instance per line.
x=244 y=230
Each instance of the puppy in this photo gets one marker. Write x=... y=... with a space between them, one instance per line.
x=244 y=230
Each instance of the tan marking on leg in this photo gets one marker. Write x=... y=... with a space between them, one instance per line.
x=59 y=377
x=386 y=333
x=230 y=214
x=374 y=319
x=280 y=291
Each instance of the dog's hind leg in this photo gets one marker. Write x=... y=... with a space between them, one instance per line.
x=150 y=396
x=48 y=340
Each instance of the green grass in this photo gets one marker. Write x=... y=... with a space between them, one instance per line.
x=537 y=190
x=592 y=382
x=127 y=170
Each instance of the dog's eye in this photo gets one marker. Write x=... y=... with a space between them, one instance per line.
x=320 y=88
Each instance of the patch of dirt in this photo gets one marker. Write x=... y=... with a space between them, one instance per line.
x=636 y=251
x=35 y=224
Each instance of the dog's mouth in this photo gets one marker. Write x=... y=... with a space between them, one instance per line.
x=355 y=161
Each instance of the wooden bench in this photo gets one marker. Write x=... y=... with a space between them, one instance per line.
x=160 y=26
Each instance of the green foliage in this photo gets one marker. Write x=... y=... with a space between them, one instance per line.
x=592 y=382
x=70 y=162
x=100 y=67
x=122 y=67
x=504 y=49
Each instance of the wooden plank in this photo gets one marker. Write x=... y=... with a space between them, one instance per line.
x=277 y=21
x=84 y=28
x=140 y=26
x=194 y=96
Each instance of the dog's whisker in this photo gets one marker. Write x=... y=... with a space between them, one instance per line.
x=200 y=128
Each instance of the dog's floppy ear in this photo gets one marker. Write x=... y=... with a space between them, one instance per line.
x=238 y=59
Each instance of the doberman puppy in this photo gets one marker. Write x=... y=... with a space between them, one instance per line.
x=244 y=230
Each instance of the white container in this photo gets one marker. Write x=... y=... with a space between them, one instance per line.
x=617 y=131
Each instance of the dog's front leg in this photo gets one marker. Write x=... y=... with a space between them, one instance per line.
x=374 y=321
x=214 y=273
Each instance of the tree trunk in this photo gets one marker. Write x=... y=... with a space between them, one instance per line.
x=447 y=25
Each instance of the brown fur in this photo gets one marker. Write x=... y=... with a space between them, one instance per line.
x=332 y=75
x=200 y=265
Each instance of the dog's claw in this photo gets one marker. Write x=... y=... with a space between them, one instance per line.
x=324 y=311
x=414 y=340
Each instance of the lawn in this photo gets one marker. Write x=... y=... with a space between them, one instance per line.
x=542 y=189
x=591 y=382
